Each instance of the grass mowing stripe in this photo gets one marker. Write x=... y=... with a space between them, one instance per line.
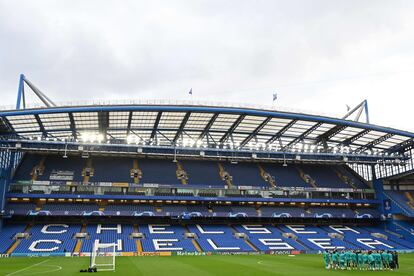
x=240 y=265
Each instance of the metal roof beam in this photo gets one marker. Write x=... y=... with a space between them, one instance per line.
x=303 y=135
x=41 y=126
x=129 y=123
x=375 y=142
x=255 y=132
x=401 y=146
x=352 y=139
x=72 y=126
x=212 y=138
x=155 y=127
x=181 y=128
x=166 y=138
x=208 y=126
x=329 y=134
x=103 y=123
x=148 y=130
x=232 y=128
x=5 y=126
x=281 y=132
x=136 y=134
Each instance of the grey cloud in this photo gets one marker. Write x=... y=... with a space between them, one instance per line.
x=317 y=54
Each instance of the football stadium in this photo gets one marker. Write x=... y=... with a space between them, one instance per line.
x=169 y=188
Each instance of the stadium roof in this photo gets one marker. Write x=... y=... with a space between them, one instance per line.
x=201 y=125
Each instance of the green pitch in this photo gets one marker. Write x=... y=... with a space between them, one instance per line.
x=192 y=265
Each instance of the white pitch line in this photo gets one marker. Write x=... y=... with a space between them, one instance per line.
x=24 y=269
x=58 y=268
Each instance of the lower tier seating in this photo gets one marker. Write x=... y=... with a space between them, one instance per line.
x=59 y=238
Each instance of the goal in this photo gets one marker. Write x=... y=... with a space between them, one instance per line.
x=103 y=257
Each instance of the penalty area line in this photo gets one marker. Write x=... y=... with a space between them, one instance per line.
x=26 y=268
x=56 y=268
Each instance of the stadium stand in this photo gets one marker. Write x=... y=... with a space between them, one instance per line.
x=199 y=173
x=59 y=238
x=200 y=179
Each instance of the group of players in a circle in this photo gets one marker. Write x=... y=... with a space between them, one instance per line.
x=361 y=260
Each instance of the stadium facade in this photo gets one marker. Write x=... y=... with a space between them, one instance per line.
x=183 y=177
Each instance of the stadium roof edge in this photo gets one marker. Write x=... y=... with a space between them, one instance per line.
x=178 y=108
x=236 y=125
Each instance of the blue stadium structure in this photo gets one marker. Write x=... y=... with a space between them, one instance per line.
x=168 y=177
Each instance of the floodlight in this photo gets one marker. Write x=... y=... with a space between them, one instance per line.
x=199 y=143
x=130 y=139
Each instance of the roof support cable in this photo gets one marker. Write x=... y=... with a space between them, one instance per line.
x=21 y=97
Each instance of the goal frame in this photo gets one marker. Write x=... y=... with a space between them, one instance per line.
x=95 y=253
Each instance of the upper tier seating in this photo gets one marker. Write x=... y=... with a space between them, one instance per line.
x=204 y=173
x=158 y=171
x=53 y=163
x=26 y=166
x=357 y=181
x=107 y=169
x=199 y=173
x=285 y=176
x=324 y=176
x=246 y=174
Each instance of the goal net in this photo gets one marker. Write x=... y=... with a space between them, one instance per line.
x=103 y=257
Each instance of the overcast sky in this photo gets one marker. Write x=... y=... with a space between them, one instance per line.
x=317 y=55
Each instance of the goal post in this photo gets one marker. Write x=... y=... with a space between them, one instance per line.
x=103 y=257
